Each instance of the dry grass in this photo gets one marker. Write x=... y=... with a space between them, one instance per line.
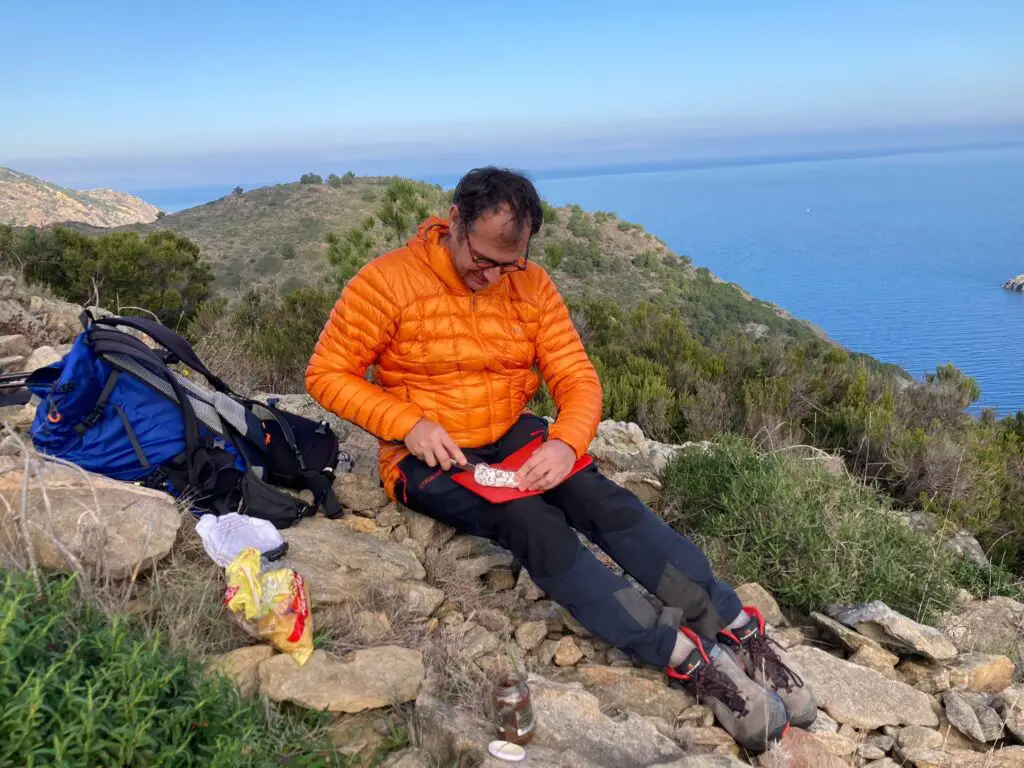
x=382 y=616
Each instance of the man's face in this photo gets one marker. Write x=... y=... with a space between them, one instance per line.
x=490 y=247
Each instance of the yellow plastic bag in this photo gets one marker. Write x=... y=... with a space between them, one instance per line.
x=276 y=601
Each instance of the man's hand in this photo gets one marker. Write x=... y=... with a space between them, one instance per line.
x=429 y=442
x=547 y=467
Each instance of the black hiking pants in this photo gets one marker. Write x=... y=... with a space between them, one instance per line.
x=539 y=532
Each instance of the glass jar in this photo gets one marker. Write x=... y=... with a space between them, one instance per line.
x=511 y=698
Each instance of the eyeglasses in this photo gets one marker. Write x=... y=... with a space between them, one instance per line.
x=485 y=263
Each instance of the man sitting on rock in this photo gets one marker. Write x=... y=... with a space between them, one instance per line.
x=454 y=325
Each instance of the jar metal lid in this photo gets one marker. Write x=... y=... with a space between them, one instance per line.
x=506 y=750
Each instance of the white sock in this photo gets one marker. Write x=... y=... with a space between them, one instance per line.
x=683 y=648
x=740 y=620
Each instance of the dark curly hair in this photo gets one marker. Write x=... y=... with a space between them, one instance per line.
x=483 y=190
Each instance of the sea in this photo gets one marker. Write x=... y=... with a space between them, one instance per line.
x=900 y=256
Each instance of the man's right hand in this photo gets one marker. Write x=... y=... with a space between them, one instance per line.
x=430 y=443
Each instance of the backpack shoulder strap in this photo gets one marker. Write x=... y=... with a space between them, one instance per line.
x=170 y=341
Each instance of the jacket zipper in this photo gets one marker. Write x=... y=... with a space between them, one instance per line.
x=487 y=372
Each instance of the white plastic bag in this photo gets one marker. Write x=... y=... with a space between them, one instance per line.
x=226 y=536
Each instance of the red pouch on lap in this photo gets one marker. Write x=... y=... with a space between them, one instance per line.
x=512 y=463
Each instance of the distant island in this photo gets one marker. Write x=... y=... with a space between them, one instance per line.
x=26 y=201
x=1015 y=284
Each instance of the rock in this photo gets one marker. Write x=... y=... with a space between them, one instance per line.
x=242 y=666
x=1008 y=757
x=469 y=546
x=981 y=672
x=358 y=493
x=369 y=628
x=880 y=622
x=475 y=567
x=494 y=620
x=358 y=524
x=918 y=737
x=790 y=637
x=645 y=486
x=962 y=715
x=988 y=626
x=546 y=652
x=698 y=713
x=571 y=624
x=15 y=344
x=964 y=544
x=568 y=717
x=355 y=735
x=757 y=596
x=704 y=761
x=364 y=679
x=477 y=641
x=882 y=741
x=800 y=749
x=1015 y=283
x=877 y=659
x=860 y=697
x=526 y=588
x=870 y=752
x=1010 y=702
x=388 y=516
x=501 y=580
x=340 y=565
x=706 y=740
x=567 y=652
x=421 y=599
x=115 y=529
x=531 y=634
x=823 y=724
x=925 y=676
x=850 y=640
x=885 y=762
x=19 y=418
x=628 y=690
x=12 y=363
x=43 y=357
x=424 y=529
x=836 y=743
x=409 y=758
x=621 y=447
x=60 y=317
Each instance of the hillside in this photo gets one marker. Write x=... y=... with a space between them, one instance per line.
x=28 y=201
x=276 y=236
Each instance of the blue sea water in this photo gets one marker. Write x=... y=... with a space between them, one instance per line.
x=901 y=257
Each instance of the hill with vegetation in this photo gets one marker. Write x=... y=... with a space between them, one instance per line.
x=680 y=353
x=28 y=201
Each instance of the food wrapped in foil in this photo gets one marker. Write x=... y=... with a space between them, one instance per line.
x=484 y=474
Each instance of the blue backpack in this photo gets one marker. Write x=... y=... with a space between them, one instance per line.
x=116 y=407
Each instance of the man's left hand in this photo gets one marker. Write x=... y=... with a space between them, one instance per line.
x=547 y=467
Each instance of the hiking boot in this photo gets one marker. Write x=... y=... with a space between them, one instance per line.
x=767 y=664
x=753 y=715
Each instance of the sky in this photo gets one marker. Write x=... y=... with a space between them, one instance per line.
x=191 y=92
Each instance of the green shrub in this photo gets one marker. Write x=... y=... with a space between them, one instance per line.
x=311 y=178
x=287 y=251
x=550 y=213
x=554 y=254
x=582 y=225
x=77 y=688
x=811 y=538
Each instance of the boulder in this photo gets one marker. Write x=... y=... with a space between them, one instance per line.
x=339 y=564
x=972 y=716
x=988 y=626
x=877 y=659
x=849 y=639
x=44 y=356
x=526 y=589
x=113 y=528
x=760 y=598
x=569 y=718
x=621 y=447
x=704 y=761
x=800 y=749
x=888 y=627
x=242 y=666
x=1010 y=702
x=918 y=737
x=364 y=679
x=858 y=696
x=981 y=672
x=15 y=344
x=410 y=757
x=424 y=529
x=629 y=690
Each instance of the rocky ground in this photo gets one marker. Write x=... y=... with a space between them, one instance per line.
x=413 y=622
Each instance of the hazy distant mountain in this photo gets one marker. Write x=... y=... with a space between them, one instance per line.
x=28 y=201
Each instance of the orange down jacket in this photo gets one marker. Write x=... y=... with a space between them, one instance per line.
x=462 y=359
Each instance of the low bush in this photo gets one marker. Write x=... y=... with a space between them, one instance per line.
x=810 y=537
x=78 y=688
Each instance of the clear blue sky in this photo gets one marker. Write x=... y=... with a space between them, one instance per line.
x=125 y=82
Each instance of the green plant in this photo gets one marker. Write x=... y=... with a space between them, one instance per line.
x=334 y=180
x=311 y=178
x=810 y=537
x=237 y=191
x=77 y=688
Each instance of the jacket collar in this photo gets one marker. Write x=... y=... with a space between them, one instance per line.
x=428 y=244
